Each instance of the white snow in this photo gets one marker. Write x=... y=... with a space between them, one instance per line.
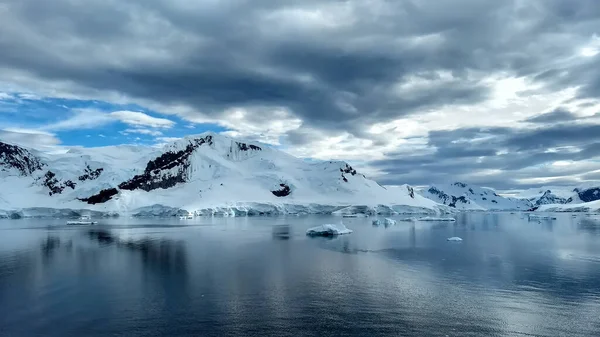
x=222 y=180
x=455 y=238
x=427 y=218
x=328 y=230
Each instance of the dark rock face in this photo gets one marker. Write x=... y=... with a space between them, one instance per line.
x=348 y=169
x=461 y=199
x=101 y=197
x=89 y=174
x=25 y=162
x=284 y=191
x=54 y=185
x=590 y=194
x=167 y=170
x=411 y=192
x=247 y=147
x=446 y=199
x=549 y=198
x=459 y=184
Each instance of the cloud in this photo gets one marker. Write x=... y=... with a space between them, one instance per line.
x=90 y=119
x=501 y=157
x=557 y=115
x=29 y=138
x=142 y=132
x=439 y=88
x=141 y=119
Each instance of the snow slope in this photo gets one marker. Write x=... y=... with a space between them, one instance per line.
x=206 y=174
x=466 y=197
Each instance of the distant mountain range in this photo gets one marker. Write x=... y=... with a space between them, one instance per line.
x=474 y=198
x=210 y=174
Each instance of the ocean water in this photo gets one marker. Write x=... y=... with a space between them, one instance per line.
x=232 y=277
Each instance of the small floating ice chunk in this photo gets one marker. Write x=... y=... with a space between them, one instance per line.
x=454 y=238
x=328 y=230
x=541 y=217
x=428 y=218
x=386 y=222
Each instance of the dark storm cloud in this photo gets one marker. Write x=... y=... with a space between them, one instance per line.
x=212 y=55
x=336 y=65
x=512 y=154
x=557 y=115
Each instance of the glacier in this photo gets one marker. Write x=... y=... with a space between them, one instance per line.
x=207 y=174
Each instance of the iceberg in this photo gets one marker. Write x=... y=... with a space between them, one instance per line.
x=455 y=238
x=328 y=230
x=428 y=218
x=386 y=222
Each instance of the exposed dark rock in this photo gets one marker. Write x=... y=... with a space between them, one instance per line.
x=101 y=197
x=12 y=156
x=54 y=185
x=461 y=199
x=348 y=169
x=411 y=192
x=284 y=191
x=471 y=190
x=167 y=170
x=459 y=184
x=588 y=195
x=549 y=198
x=446 y=199
x=344 y=178
x=494 y=201
x=246 y=147
x=89 y=174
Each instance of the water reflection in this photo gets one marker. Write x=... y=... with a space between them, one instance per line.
x=589 y=225
x=508 y=277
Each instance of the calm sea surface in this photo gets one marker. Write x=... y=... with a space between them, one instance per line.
x=231 y=277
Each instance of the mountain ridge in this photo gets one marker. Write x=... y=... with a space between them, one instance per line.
x=196 y=173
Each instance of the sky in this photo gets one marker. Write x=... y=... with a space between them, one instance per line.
x=504 y=94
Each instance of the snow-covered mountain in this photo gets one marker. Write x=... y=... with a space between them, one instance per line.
x=207 y=174
x=546 y=195
x=467 y=197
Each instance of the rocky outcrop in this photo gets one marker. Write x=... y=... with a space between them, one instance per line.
x=347 y=169
x=589 y=194
x=101 y=197
x=89 y=174
x=25 y=162
x=284 y=191
x=549 y=198
x=248 y=147
x=54 y=185
x=411 y=191
x=167 y=170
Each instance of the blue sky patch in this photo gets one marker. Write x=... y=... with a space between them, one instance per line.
x=93 y=123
